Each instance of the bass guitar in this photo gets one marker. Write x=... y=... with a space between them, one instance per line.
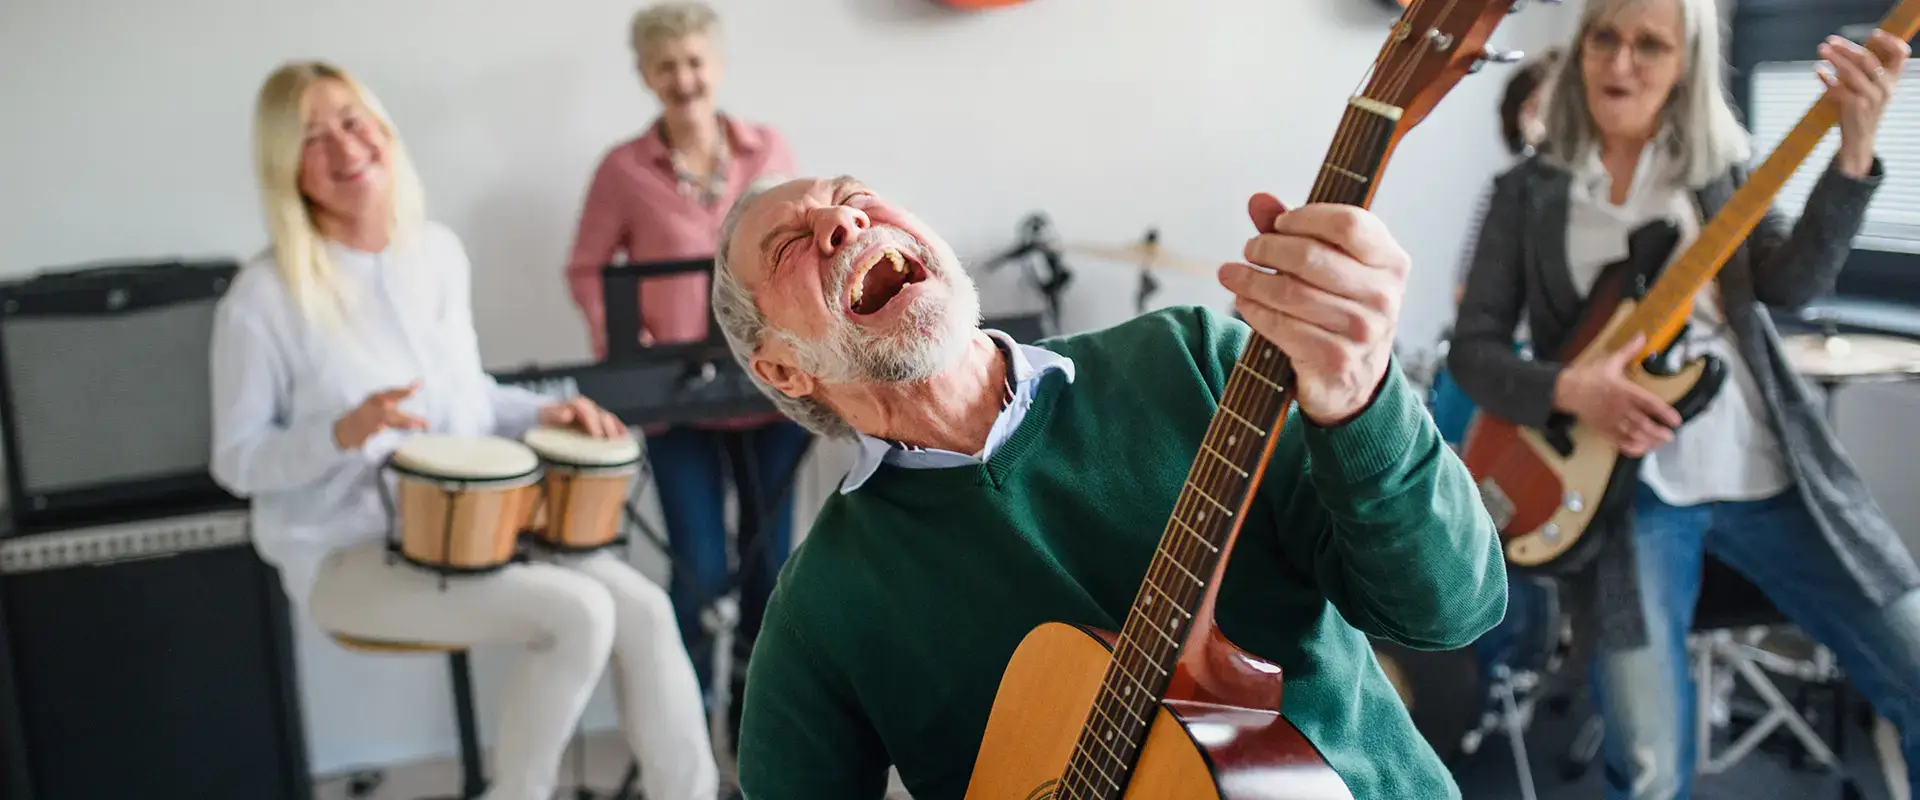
x=1168 y=707
x=1547 y=487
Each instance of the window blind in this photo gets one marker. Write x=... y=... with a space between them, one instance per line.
x=1781 y=94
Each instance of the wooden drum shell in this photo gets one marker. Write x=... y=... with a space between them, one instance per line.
x=581 y=507
x=463 y=525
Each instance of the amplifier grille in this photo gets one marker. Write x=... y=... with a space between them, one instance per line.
x=117 y=543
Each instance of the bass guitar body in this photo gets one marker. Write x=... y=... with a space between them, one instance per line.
x=1218 y=732
x=1546 y=488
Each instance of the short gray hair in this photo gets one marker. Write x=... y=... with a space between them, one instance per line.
x=1703 y=135
x=666 y=22
x=746 y=328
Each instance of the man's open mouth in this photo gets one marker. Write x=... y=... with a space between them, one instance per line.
x=880 y=277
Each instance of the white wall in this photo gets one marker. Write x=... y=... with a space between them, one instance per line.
x=126 y=136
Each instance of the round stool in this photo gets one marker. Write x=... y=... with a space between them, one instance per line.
x=472 y=782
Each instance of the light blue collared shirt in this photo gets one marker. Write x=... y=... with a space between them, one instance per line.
x=1027 y=364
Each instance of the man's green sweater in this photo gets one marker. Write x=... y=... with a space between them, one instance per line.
x=891 y=626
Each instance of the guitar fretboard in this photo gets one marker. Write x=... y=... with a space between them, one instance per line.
x=1206 y=517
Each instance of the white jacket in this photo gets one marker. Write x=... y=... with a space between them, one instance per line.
x=280 y=382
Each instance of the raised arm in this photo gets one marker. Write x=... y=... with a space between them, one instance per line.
x=1794 y=264
x=1386 y=518
x=1790 y=269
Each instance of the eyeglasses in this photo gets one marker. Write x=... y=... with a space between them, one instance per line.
x=1606 y=43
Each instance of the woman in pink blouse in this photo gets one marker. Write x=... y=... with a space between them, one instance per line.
x=661 y=196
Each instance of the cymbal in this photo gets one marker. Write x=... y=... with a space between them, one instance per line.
x=1150 y=256
x=1851 y=354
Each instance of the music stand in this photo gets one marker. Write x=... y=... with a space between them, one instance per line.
x=623 y=319
x=702 y=359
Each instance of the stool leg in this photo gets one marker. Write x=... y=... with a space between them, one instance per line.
x=472 y=780
x=629 y=783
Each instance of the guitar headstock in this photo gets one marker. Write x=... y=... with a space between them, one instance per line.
x=1434 y=44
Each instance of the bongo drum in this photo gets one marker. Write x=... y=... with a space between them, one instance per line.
x=463 y=500
x=585 y=489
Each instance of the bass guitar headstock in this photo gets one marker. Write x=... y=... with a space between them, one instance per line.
x=1434 y=44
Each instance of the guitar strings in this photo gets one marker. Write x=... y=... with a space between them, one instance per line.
x=1239 y=390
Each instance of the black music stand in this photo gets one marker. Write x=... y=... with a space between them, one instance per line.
x=703 y=360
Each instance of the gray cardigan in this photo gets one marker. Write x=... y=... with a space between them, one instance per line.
x=1520 y=267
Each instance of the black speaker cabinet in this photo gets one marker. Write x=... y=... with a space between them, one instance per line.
x=149 y=660
x=104 y=398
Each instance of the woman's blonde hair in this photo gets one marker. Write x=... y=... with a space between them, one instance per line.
x=665 y=22
x=1699 y=129
x=279 y=135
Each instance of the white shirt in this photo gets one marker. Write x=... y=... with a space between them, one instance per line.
x=1727 y=452
x=1026 y=365
x=280 y=382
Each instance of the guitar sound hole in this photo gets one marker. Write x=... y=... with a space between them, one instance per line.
x=1045 y=791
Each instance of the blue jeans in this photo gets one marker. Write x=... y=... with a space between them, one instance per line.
x=1646 y=695
x=692 y=469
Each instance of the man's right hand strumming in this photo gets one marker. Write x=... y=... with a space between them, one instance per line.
x=1600 y=395
x=381 y=410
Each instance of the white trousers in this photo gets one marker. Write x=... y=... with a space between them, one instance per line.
x=566 y=619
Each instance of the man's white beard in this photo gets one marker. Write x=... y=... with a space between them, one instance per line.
x=932 y=337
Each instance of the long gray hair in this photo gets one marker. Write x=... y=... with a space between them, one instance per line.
x=746 y=328
x=1699 y=129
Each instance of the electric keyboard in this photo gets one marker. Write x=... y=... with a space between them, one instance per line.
x=678 y=384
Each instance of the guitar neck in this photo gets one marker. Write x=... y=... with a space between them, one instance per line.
x=1175 y=601
x=1664 y=311
x=1668 y=303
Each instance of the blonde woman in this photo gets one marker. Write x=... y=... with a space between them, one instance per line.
x=661 y=196
x=354 y=331
x=1638 y=131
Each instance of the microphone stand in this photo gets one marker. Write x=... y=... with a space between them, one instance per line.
x=1036 y=239
x=1148 y=284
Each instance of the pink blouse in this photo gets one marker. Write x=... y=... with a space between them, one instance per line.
x=635 y=206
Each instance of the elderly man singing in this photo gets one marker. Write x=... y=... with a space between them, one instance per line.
x=999 y=486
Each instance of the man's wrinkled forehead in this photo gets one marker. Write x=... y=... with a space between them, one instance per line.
x=780 y=212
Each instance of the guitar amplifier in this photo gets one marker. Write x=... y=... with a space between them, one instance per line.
x=104 y=396
x=149 y=660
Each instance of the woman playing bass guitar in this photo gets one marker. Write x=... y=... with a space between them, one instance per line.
x=1638 y=130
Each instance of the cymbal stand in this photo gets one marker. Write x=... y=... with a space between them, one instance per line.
x=1514 y=690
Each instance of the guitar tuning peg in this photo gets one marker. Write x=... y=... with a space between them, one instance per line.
x=1495 y=56
x=1501 y=56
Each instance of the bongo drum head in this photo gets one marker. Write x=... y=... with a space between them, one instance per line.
x=577 y=449
x=474 y=458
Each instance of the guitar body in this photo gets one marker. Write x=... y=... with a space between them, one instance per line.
x=1546 y=488
x=1244 y=748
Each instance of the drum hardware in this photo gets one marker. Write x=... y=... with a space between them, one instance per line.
x=1045 y=270
x=1732 y=621
x=1835 y=360
x=1146 y=255
x=1510 y=670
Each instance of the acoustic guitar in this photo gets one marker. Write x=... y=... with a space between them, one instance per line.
x=1168 y=707
x=1546 y=487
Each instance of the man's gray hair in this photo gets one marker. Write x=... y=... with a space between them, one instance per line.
x=746 y=328
x=1700 y=129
